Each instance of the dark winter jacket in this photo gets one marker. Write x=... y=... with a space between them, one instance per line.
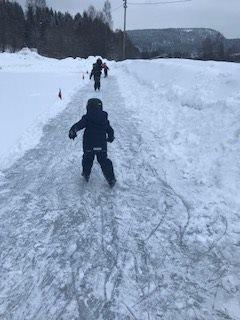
x=98 y=130
x=105 y=67
x=96 y=71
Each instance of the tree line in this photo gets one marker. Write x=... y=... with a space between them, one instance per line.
x=60 y=35
x=210 y=49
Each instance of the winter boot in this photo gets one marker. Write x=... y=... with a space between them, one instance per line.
x=112 y=182
x=85 y=176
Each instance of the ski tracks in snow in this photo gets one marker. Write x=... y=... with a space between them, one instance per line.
x=71 y=250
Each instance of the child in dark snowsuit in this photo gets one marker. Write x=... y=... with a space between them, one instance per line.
x=105 y=69
x=96 y=73
x=98 y=132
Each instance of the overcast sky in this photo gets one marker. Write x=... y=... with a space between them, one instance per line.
x=222 y=15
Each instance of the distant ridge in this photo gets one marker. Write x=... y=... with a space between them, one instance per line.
x=187 y=41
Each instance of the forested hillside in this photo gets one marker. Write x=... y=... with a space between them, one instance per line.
x=60 y=35
x=196 y=43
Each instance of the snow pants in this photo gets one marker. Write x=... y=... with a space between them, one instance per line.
x=97 y=83
x=105 y=163
x=105 y=73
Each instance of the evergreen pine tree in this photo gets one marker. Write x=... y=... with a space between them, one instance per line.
x=36 y=4
x=107 y=12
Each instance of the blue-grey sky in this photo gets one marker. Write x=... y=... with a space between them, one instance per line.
x=222 y=15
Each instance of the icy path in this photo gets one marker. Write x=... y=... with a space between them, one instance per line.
x=76 y=251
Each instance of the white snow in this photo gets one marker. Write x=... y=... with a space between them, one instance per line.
x=165 y=242
x=189 y=115
x=29 y=86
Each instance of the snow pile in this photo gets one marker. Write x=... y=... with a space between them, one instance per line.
x=188 y=112
x=191 y=110
x=29 y=86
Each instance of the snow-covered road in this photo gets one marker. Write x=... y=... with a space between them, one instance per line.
x=77 y=251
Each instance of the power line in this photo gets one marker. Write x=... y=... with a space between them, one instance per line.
x=126 y=3
x=157 y=3
x=117 y=8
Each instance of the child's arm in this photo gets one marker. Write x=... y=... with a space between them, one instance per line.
x=110 y=133
x=77 y=127
x=91 y=74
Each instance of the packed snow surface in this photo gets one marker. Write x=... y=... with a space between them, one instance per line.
x=165 y=242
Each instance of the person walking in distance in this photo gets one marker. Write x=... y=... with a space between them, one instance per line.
x=105 y=69
x=96 y=74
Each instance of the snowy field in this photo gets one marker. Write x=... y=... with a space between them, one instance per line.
x=165 y=242
x=29 y=97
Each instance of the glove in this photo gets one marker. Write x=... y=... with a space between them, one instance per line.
x=72 y=134
x=110 y=139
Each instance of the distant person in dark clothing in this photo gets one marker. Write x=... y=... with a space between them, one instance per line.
x=96 y=74
x=105 y=69
x=98 y=132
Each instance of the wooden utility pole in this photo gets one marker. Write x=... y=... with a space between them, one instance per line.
x=124 y=29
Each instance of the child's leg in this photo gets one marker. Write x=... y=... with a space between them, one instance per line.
x=106 y=166
x=87 y=162
x=98 y=84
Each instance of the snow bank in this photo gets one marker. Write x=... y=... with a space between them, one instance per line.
x=29 y=97
x=189 y=112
